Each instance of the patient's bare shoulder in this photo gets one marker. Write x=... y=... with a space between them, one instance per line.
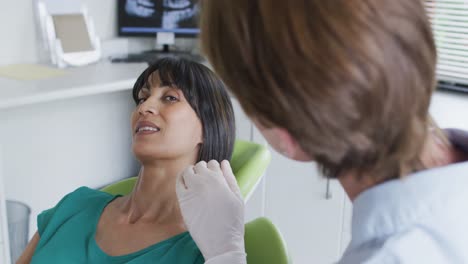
x=26 y=257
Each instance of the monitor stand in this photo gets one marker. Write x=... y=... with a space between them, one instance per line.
x=166 y=40
x=167 y=52
x=151 y=56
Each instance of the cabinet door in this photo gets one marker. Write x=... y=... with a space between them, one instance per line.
x=4 y=243
x=347 y=216
x=2 y=254
x=296 y=201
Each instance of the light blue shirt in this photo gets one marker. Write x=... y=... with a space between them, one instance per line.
x=422 y=218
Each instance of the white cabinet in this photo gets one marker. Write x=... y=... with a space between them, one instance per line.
x=347 y=214
x=296 y=202
x=4 y=252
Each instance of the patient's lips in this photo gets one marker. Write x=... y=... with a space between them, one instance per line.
x=146 y=127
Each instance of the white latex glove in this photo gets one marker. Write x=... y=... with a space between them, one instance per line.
x=213 y=211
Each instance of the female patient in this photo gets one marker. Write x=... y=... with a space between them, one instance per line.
x=183 y=115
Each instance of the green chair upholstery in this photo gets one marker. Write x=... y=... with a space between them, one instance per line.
x=249 y=162
x=263 y=242
x=122 y=187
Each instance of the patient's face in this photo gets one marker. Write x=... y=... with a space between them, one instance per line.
x=164 y=125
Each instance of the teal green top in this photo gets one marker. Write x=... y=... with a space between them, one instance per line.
x=67 y=234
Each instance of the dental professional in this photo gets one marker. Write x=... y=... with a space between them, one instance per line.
x=347 y=84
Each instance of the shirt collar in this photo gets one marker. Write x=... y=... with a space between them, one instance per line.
x=392 y=206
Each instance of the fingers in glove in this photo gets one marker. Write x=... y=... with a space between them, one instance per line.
x=181 y=188
x=230 y=178
x=214 y=166
x=187 y=178
x=200 y=167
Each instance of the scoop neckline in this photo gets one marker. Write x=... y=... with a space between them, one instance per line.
x=136 y=253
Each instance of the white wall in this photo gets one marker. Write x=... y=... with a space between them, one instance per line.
x=4 y=241
x=450 y=109
x=104 y=14
x=18 y=28
x=19 y=40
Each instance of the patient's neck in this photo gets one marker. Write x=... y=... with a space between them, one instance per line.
x=154 y=197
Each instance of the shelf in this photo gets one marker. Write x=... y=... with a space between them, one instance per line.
x=98 y=78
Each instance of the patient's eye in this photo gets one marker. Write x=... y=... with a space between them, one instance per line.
x=171 y=98
x=143 y=94
x=141 y=100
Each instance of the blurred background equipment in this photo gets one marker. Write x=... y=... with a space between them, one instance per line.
x=163 y=19
x=18 y=227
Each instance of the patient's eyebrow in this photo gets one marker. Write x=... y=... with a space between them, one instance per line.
x=145 y=89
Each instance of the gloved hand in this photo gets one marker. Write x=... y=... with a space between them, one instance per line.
x=213 y=211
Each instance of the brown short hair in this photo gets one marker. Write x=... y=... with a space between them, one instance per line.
x=351 y=80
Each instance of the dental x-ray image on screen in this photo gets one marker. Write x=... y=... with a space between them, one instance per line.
x=147 y=17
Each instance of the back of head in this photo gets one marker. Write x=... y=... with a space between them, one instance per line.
x=351 y=80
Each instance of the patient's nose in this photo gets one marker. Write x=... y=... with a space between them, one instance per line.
x=148 y=108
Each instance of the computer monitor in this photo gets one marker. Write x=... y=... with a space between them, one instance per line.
x=149 y=17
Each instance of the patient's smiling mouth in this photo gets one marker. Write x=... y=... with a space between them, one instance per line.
x=146 y=127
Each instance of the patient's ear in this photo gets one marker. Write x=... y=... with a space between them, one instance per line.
x=283 y=142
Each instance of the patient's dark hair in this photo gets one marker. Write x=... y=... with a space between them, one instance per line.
x=208 y=97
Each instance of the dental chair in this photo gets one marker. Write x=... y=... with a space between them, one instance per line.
x=263 y=241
